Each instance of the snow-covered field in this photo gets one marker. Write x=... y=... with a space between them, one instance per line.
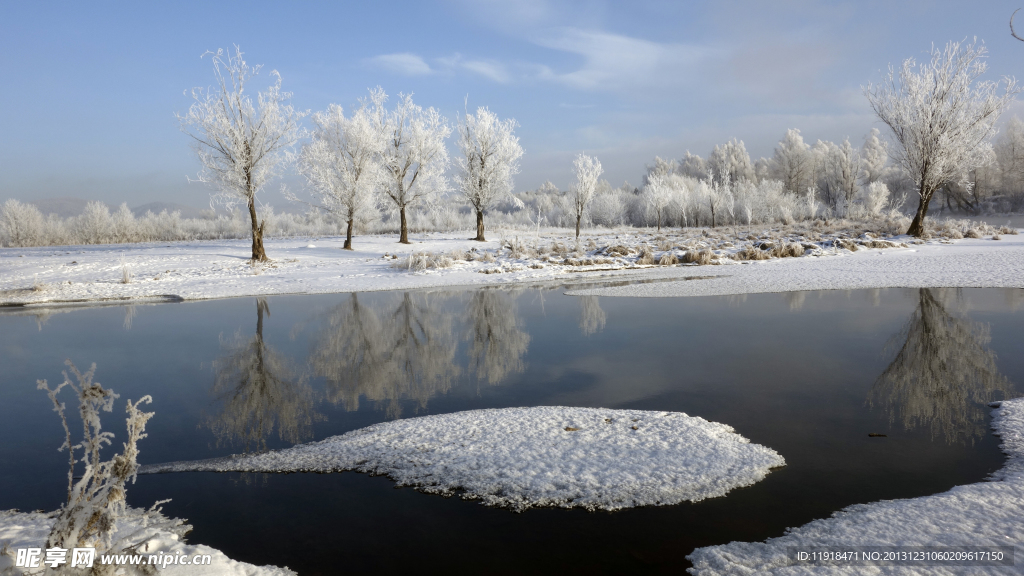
x=982 y=514
x=221 y=269
x=519 y=458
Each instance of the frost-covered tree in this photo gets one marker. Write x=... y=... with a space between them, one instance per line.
x=716 y=195
x=762 y=169
x=94 y=223
x=941 y=117
x=840 y=164
x=792 y=163
x=588 y=170
x=658 y=195
x=874 y=156
x=241 y=144
x=1009 y=150
x=730 y=159
x=490 y=157
x=341 y=163
x=21 y=224
x=693 y=166
x=414 y=157
x=660 y=167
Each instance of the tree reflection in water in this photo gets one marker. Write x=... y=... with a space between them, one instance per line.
x=259 y=390
x=493 y=330
x=403 y=350
x=943 y=375
x=592 y=316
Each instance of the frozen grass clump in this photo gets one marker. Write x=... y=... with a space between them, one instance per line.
x=668 y=259
x=617 y=250
x=751 y=253
x=646 y=256
x=786 y=250
x=126 y=270
x=419 y=261
x=700 y=257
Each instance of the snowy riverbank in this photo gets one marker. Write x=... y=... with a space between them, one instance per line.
x=824 y=260
x=29 y=530
x=982 y=514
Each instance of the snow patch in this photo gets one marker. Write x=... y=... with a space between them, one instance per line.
x=982 y=514
x=520 y=458
x=30 y=529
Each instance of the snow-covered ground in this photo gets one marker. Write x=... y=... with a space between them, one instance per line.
x=967 y=263
x=29 y=530
x=982 y=514
x=520 y=458
x=220 y=269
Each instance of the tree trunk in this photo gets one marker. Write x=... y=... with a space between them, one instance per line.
x=578 y=218
x=480 y=226
x=404 y=239
x=659 y=220
x=348 y=234
x=258 y=253
x=917 y=225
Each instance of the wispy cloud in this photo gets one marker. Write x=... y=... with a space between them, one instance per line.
x=616 y=62
x=491 y=70
x=403 y=63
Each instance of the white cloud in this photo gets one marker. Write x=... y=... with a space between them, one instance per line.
x=617 y=62
x=403 y=63
x=490 y=70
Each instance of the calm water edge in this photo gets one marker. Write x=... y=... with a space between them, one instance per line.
x=808 y=374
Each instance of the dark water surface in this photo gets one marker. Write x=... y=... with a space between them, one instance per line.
x=809 y=375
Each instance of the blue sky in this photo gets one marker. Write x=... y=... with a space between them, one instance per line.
x=91 y=89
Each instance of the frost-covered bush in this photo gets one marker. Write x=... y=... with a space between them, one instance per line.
x=94 y=225
x=21 y=224
x=97 y=499
x=875 y=198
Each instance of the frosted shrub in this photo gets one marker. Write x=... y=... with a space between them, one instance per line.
x=126 y=270
x=608 y=209
x=123 y=228
x=21 y=224
x=876 y=198
x=94 y=224
x=97 y=500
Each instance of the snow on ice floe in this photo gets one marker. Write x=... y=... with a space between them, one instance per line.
x=982 y=514
x=520 y=458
